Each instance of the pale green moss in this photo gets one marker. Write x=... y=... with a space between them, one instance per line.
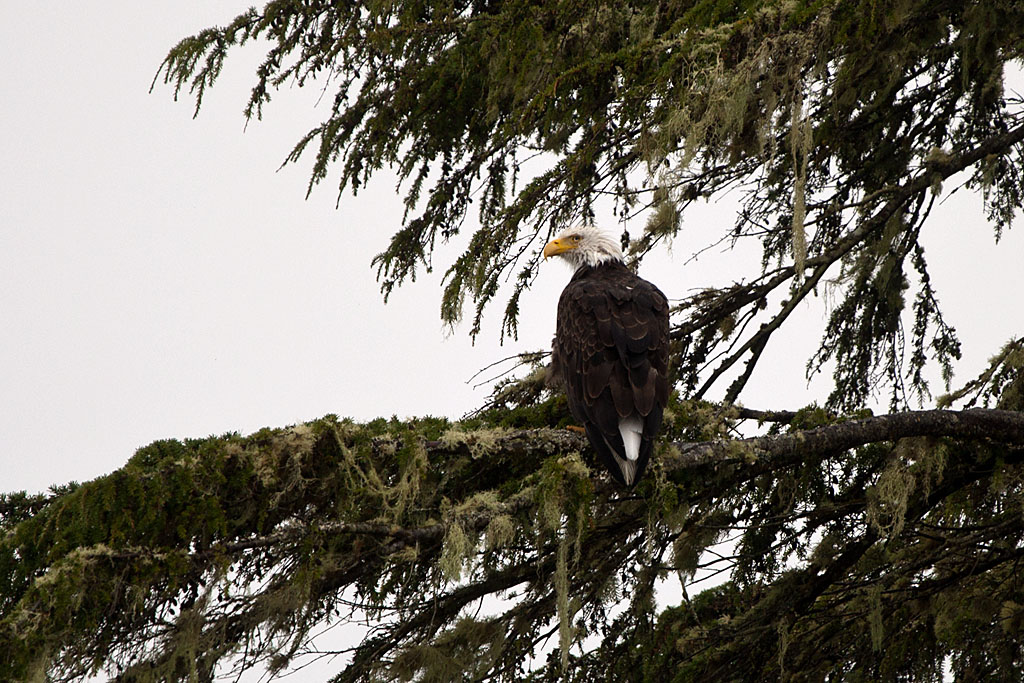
x=457 y=547
x=501 y=530
x=480 y=442
x=888 y=498
x=739 y=450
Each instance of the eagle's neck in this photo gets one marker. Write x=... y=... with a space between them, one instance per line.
x=609 y=264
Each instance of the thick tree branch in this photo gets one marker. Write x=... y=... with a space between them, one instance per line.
x=1001 y=426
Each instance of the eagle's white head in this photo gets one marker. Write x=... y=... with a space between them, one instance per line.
x=584 y=246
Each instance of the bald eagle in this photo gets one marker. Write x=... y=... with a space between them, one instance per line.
x=611 y=350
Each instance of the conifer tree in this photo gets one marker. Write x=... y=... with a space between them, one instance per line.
x=848 y=546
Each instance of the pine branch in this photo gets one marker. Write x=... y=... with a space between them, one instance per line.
x=797 y=593
x=1000 y=426
x=740 y=296
x=781 y=416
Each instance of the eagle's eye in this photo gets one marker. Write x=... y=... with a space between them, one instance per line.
x=576 y=238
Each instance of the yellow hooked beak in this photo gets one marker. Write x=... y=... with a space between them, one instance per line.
x=560 y=246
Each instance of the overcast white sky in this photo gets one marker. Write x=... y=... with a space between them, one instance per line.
x=159 y=278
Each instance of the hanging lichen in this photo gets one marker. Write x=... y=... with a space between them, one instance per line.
x=800 y=136
x=564 y=498
x=889 y=498
x=457 y=549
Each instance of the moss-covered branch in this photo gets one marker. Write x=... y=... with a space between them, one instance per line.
x=237 y=547
x=998 y=426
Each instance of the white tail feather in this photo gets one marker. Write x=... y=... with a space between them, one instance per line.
x=631 y=429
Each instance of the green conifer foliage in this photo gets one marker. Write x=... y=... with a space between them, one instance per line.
x=837 y=121
x=843 y=545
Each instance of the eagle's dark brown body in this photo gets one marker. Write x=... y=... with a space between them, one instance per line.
x=611 y=349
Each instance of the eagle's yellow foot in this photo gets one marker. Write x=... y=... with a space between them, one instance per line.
x=576 y=428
